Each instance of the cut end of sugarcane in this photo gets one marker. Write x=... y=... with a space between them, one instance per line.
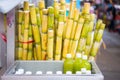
x=26 y=11
x=51 y=10
x=31 y=4
x=45 y=11
x=20 y=10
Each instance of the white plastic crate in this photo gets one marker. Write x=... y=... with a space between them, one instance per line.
x=44 y=66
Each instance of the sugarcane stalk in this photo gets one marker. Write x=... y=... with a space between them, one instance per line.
x=79 y=29
x=86 y=8
x=102 y=26
x=95 y=49
x=87 y=50
x=90 y=38
x=38 y=51
x=99 y=35
x=72 y=7
x=19 y=54
x=50 y=44
x=44 y=37
x=44 y=53
x=38 y=17
x=81 y=45
x=26 y=6
x=41 y=6
x=99 y=22
x=35 y=54
x=26 y=19
x=65 y=48
x=44 y=21
x=74 y=48
x=68 y=28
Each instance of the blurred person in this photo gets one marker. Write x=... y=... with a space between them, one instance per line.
x=111 y=13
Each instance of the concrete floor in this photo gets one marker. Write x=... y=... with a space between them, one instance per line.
x=108 y=60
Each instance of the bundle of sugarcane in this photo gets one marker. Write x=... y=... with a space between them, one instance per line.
x=50 y=45
x=97 y=39
x=44 y=33
x=48 y=34
x=90 y=36
x=59 y=35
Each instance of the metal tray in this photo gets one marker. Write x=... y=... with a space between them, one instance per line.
x=48 y=66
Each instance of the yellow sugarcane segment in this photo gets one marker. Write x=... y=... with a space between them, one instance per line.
x=20 y=52
x=86 y=8
x=57 y=57
x=36 y=33
x=44 y=38
x=35 y=54
x=79 y=29
x=24 y=55
x=44 y=21
x=69 y=28
x=29 y=57
x=74 y=48
x=50 y=48
x=38 y=51
x=25 y=39
x=50 y=33
x=81 y=45
x=65 y=48
x=44 y=53
x=58 y=45
x=26 y=5
x=33 y=16
x=87 y=50
x=72 y=7
x=60 y=29
x=26 y=19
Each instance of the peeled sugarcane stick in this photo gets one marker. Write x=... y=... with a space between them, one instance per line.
x=63 y=7
x=95 y=48
x=99 y=35
x=44 y=53
x=76 y=37
x=81 y=45
x=90 y=38
x=36 y=32
x=41 y=6
x=50 y=17
x=59 y=35
x=50 y=44
x=102 y=26
x=87 y=50
x=44 y=38
x=65 y=48
x=30 y=45
x=72 y=7
x=25 y=36
x=45 y=21
x=68 y=28
x=99 y=22
x=85 y=28
x=38 y=17
x=76 y=17
x=86 y=8
x=26 y=6
x=35 y=53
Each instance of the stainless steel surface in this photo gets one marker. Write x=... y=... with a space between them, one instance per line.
x=10 y=37
x=48 y=66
